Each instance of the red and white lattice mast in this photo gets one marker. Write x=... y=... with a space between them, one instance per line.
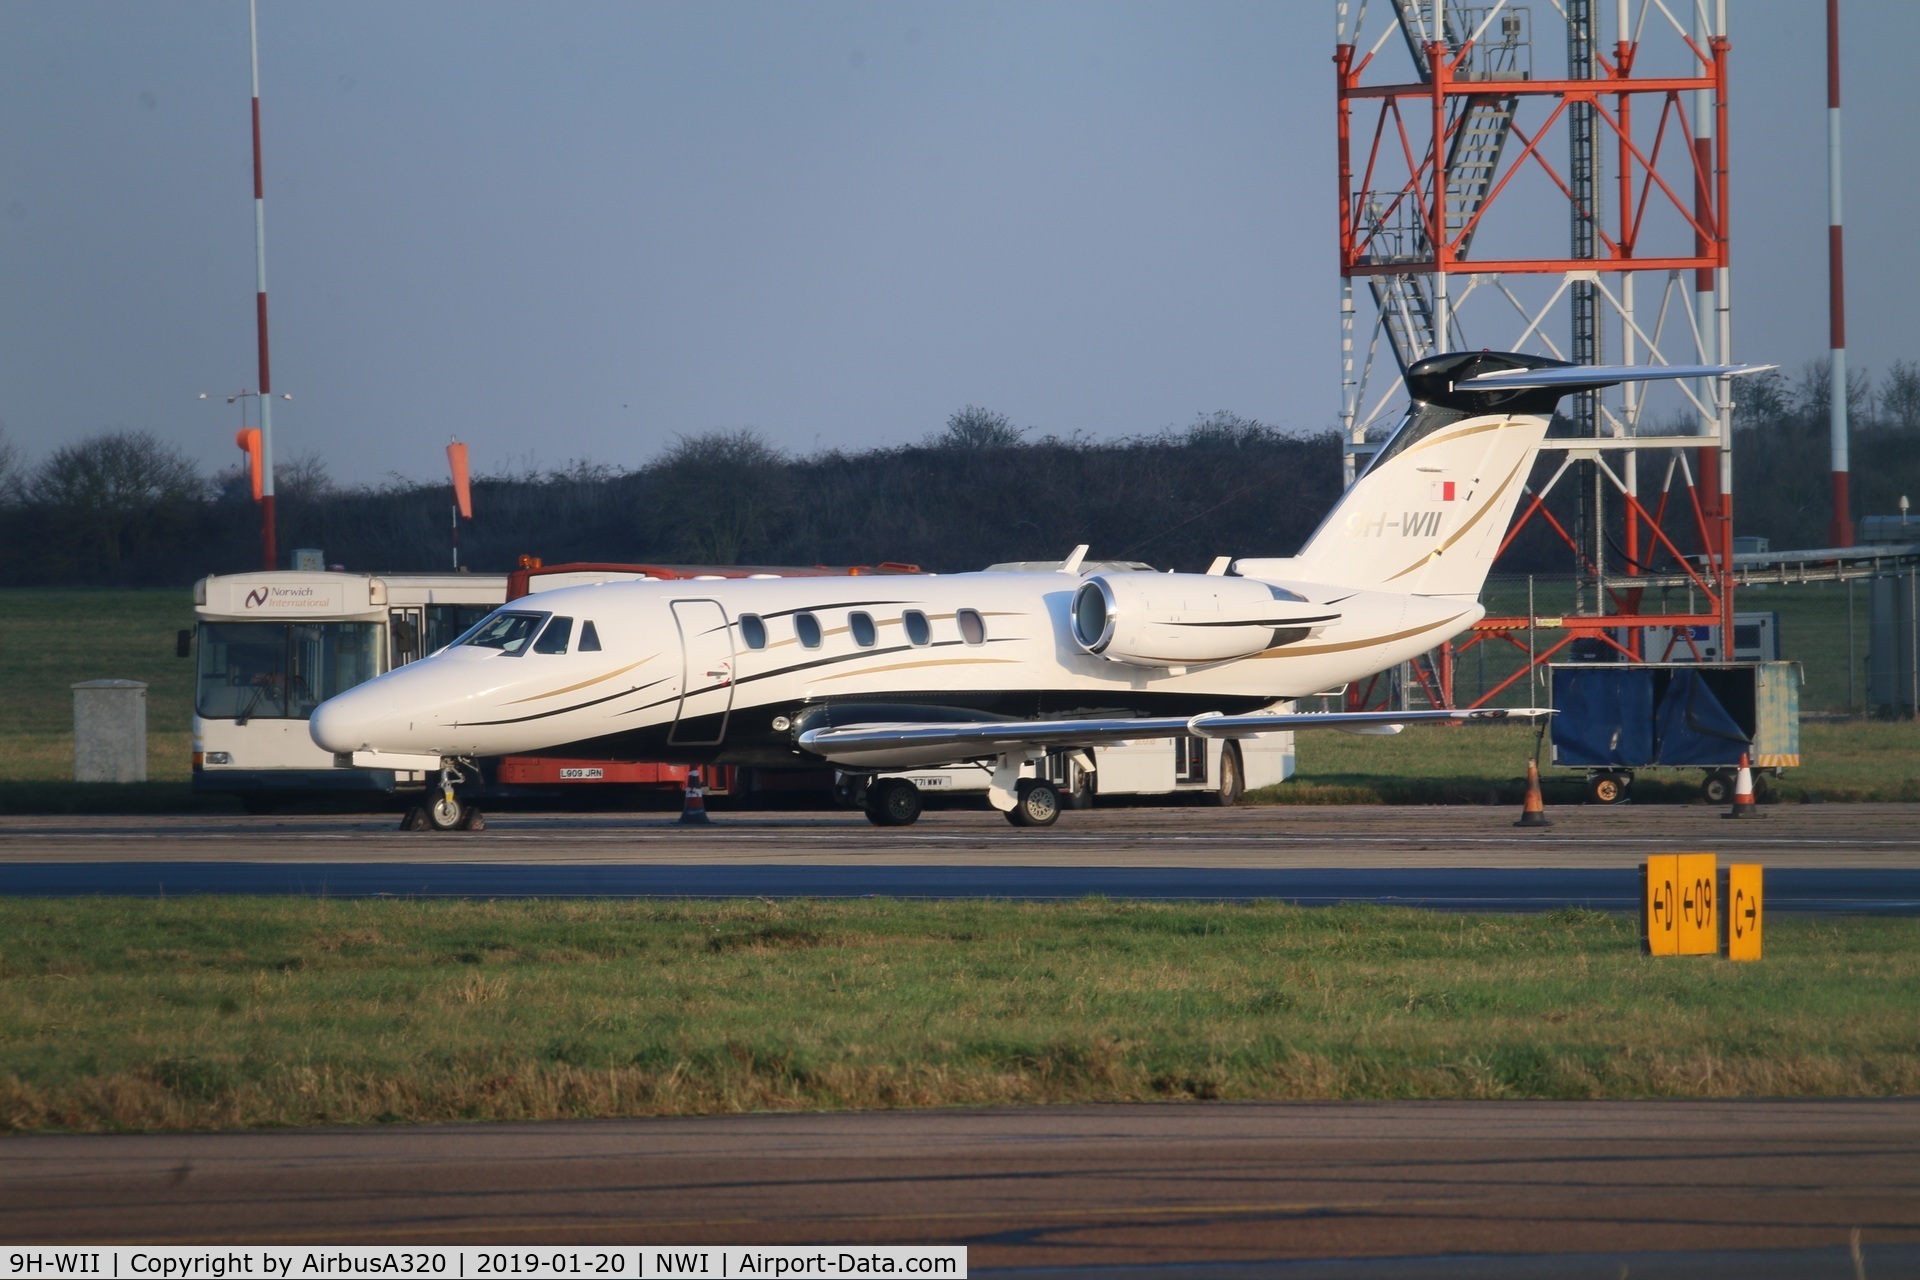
x=267 y=530
x=1476 y=210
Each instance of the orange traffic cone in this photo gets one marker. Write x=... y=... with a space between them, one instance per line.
x=693 y=808
x=1535 y=812
x=1743 y=805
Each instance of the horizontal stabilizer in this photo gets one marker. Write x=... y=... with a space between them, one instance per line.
x=1601 y=375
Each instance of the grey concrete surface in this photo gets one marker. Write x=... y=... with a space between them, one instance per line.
x=1822 y=836
x=1126 y=1187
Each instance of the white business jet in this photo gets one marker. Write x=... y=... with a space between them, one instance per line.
x=871 y=674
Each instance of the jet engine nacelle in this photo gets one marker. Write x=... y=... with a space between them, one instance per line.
x=1186 y=619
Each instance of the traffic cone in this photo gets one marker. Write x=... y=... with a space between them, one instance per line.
x=1743 y=805
x=1535 y=812
x=693 y=808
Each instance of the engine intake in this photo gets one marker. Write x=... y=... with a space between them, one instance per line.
x=1187 y=619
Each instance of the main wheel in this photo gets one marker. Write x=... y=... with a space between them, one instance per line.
x=893 y=802
x=1608 y=788
x=446 y=814
x=1232 y=784
x=1036 y=804
x=1717 y=787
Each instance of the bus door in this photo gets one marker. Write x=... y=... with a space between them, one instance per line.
x=706 y=674
x=403 y=636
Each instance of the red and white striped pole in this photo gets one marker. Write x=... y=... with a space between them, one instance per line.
x=269 y=553
x=1840 y=531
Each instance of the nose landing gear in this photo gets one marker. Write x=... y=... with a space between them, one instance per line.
x=445 y=811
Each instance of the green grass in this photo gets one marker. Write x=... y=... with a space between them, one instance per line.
x=225 y=1012
x=51 y=640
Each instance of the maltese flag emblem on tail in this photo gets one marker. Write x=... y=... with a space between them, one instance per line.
x=1443 y=491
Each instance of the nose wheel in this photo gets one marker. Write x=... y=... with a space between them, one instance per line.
x=444 y=812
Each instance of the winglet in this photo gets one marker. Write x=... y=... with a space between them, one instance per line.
x=1072 y=563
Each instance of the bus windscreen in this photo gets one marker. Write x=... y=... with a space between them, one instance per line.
x=280 y=670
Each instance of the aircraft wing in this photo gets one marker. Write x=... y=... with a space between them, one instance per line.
x=967 y=739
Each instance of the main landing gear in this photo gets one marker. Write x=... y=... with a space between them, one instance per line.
x=1036 y=803
x=444 y=810
x=893 y=802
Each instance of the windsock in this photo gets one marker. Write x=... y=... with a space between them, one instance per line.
x=462 y=493
x=248 y=439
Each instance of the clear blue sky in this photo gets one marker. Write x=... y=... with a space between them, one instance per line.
x=573 y=230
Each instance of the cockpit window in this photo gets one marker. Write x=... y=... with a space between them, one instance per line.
x=807 y=627
x=507 y=632
x=589 y=638
x=556 y=637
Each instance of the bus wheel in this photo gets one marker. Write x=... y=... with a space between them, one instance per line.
x=893 y=802
x=1232 y=786
x=1036 y=804
x=446 y=813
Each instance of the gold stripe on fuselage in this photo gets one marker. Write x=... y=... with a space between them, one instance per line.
x=554 y=693
x=1294 y=650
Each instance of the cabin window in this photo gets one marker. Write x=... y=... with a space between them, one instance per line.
x=807 y=627
x=589 y=638
x=753 y=631
x=556 y=637
x=861 y=625
x=918 y=632
x=973 y=628
x=507 y=632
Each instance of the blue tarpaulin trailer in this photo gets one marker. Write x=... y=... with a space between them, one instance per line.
x=1611 y=719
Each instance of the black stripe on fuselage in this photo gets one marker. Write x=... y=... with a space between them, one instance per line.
x=560 y=711
x=818 y=608
x=872 y=653
x=1271 y=622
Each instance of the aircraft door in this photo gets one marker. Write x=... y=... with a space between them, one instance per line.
x=706 y=683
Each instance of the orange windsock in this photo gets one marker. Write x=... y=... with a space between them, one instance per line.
x=462 y=494
x=248 y=439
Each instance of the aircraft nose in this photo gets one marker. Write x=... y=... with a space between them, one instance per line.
x=355 y=720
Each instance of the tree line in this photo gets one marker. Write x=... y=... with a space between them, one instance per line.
x=125 y=508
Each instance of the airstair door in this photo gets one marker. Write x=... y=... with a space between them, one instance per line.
x=706 y=677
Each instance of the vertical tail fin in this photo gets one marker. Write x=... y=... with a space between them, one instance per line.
x=1428 y=515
